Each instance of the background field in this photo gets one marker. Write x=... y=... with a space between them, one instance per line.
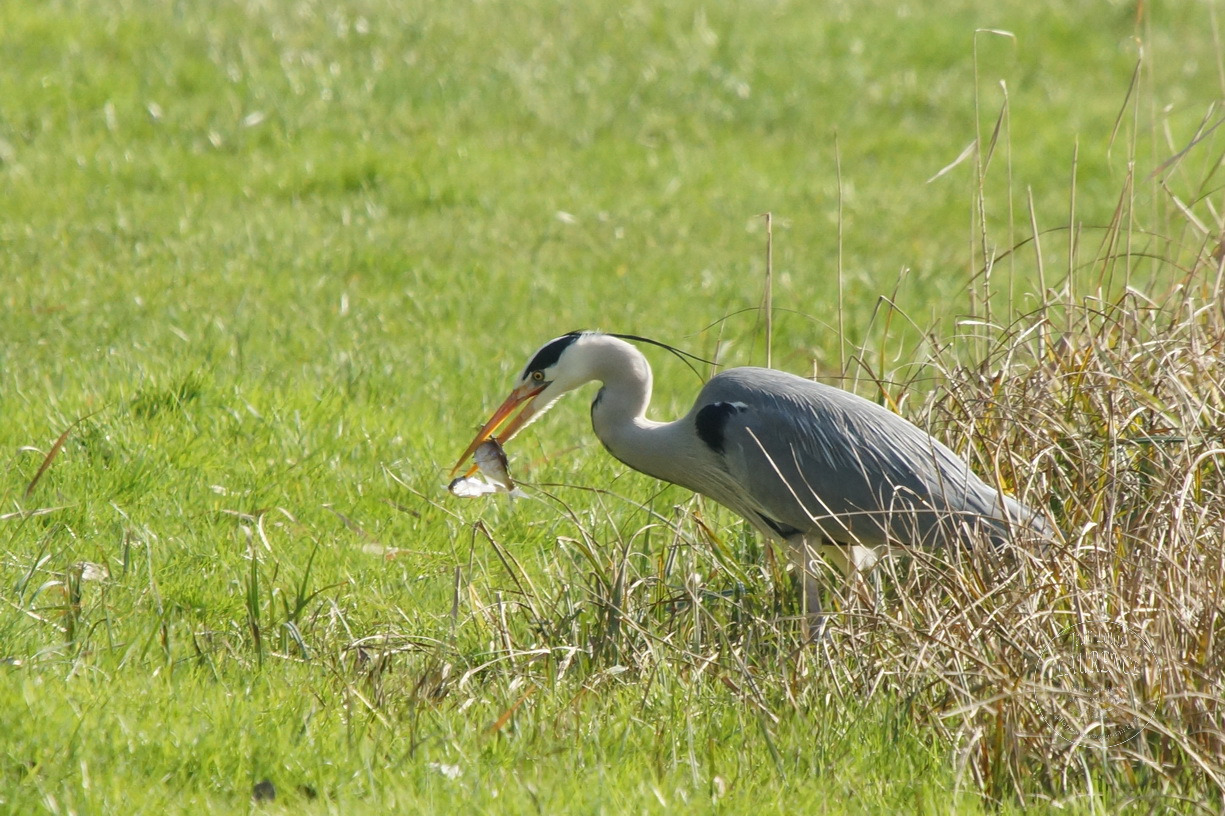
x=266 y=264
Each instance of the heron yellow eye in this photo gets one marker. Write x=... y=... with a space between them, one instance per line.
x=538 y=376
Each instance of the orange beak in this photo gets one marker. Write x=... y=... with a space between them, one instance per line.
x=522 y=394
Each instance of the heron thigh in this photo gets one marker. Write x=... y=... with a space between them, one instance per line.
x=849 y=559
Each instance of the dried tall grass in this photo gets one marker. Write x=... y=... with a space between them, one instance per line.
x=1102 y=658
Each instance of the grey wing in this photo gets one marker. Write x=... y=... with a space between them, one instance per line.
x=813 y=458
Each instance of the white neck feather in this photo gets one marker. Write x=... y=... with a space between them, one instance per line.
x=618 y=413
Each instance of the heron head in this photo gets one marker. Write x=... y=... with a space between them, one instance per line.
x=549 y=373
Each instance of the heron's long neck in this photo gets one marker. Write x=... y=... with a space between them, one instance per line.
x=618 y=414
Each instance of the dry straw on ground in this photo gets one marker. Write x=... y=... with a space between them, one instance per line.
x=1104 y=654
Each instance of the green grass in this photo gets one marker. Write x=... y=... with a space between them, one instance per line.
x=274 y=260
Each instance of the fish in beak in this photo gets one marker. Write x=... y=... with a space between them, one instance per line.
x=524 y=395
x=495 y=474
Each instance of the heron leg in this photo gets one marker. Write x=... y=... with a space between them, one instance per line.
x=853 y=561
x=807 y=564
x=856 y=561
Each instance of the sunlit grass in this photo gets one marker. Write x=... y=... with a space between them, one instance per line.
x=267 y=263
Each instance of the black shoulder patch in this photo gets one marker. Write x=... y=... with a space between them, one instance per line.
x=549 y=353
x=711 y=421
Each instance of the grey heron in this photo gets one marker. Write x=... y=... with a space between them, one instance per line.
x=814 y=466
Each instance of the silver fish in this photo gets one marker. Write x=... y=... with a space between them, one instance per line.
x=470 y=487
x=494 y=474
x=491 y=459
